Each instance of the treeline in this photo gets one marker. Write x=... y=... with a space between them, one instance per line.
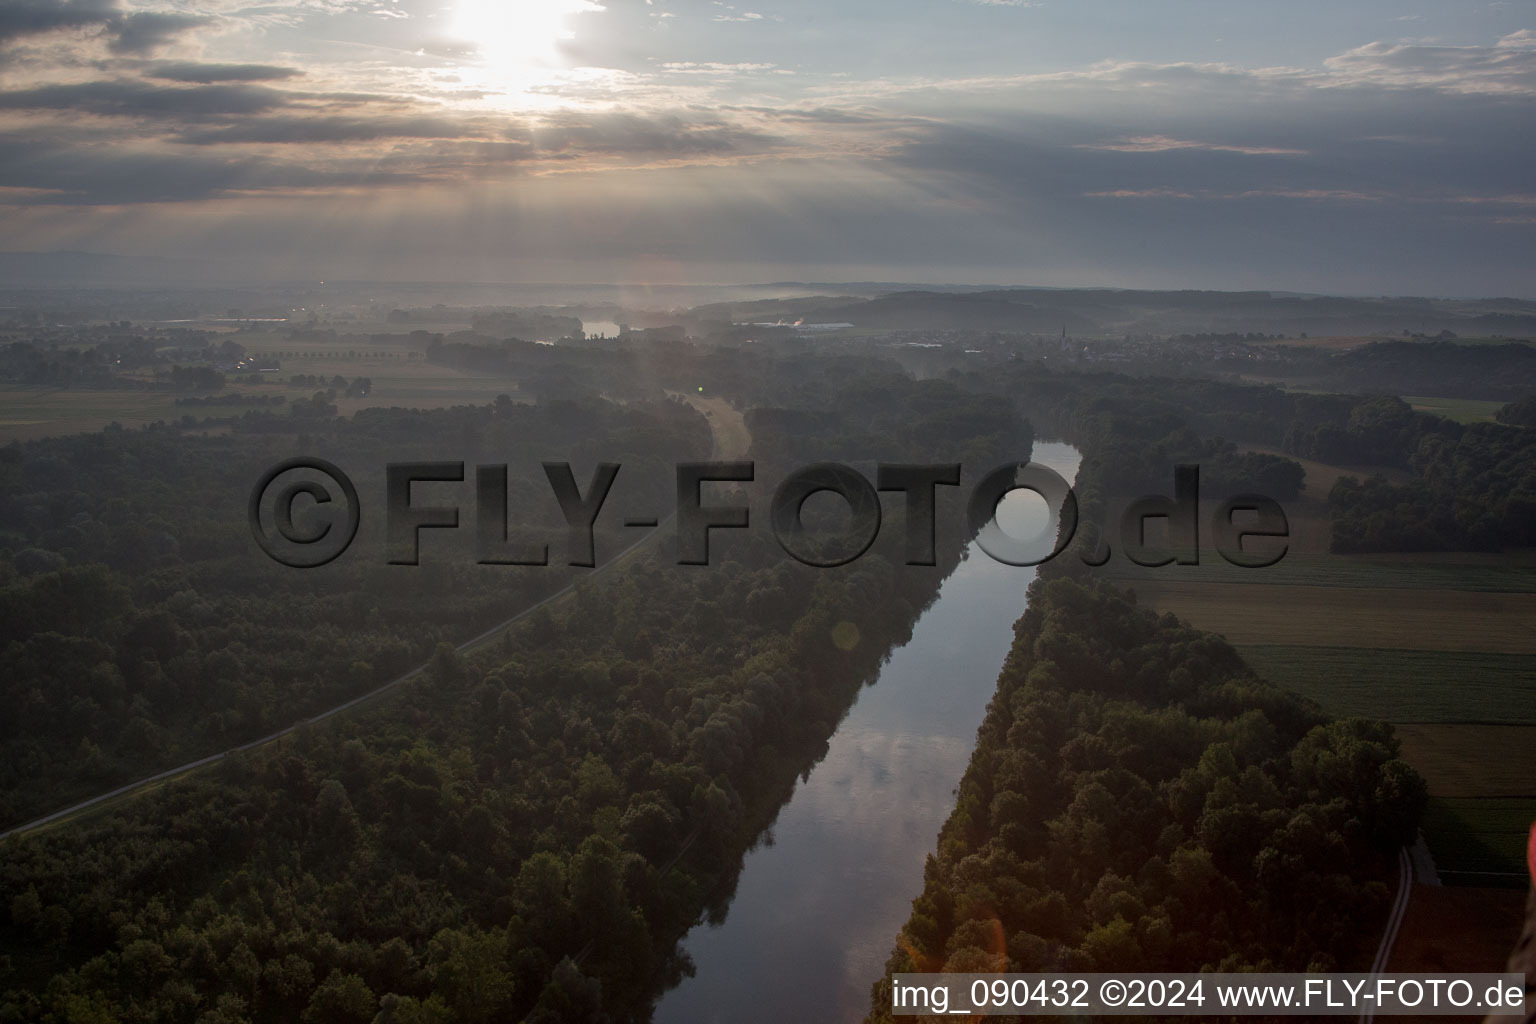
x=1132 y=431
x=102 y=365
x=1437 y=368
x=338 y=384
x=1474 y=489
x=1380 y=431
x=30 y=365
x=1473 y=486
x=1138 y=801
x=1519 y=413
x=232 y=398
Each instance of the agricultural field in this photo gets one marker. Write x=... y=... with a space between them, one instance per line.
x=1440 y=644
x=1471 y=760
x=36 y=412
x=1409 y=619
x=1502 y=575
x=1480 y=840
x=1411 y=686
x=1457 y=928
x=1462 y=410
x=397 y=379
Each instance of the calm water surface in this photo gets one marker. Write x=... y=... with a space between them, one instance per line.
x=816 y=913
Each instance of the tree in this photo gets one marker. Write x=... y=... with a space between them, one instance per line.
x=469 y=972
x=342 y=998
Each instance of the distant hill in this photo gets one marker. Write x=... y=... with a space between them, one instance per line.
x=981 y=311
x=1104 y=311
x=94 y=269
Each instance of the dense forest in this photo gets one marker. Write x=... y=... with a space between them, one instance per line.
x=140 y=627
x=525 y=833
x=1139 y=801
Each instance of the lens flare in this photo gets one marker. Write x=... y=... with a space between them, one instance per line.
x=517 y=33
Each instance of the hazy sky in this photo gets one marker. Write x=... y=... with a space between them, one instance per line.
x=1357 y=147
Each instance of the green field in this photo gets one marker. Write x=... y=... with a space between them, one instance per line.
x=1405 y=686
x=1462 y=410
x=1481 y=841
x=1304 y=570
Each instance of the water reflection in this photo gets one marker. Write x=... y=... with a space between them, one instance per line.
x=816 y=913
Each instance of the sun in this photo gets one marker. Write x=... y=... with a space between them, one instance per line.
x=517 y=32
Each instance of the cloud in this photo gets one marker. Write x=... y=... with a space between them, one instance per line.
x=20 y=18
x=1325 y=195
x=138 y=33
x=136 y=98
x=1506 y=68
x=658 y=137
x=62 y=174
x=208 y=74
x=295 y=130
x=1141 y=163
x=1163 y=144
x=299 y=153
x=147 y=31
x=734 y=16
x=1333 y=194
x=688 y=67
x=835 y=116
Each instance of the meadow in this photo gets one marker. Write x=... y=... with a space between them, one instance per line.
x=1462 y=410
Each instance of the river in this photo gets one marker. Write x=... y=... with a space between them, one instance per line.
x=816 y=912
